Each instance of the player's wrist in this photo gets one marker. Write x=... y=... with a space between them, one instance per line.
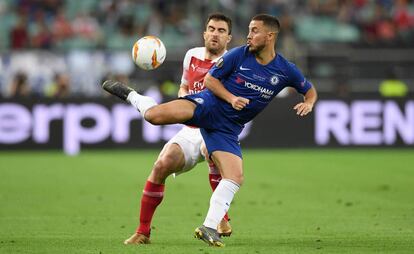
x=231 y=99
x=309 y=100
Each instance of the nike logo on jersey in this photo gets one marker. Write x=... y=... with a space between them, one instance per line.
x=244 y=69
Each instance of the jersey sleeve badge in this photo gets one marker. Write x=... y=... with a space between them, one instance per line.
x=220 y=62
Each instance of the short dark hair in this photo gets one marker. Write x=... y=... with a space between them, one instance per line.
x=268 y=20
x=219 y=16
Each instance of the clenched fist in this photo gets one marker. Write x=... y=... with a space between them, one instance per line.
x=238 y=103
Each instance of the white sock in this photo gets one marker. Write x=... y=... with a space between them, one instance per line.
x=220 y=202
x=140 y=102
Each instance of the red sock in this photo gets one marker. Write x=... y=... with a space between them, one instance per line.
x=151 y=198
x=214 y=181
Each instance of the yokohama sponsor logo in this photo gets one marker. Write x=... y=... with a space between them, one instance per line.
x=258 y=88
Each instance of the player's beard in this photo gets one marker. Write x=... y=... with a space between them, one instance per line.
x=214 y=50
x=257 y=49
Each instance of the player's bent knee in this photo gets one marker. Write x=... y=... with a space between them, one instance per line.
x=152 y=116
x=162 y=169
x=239 y=179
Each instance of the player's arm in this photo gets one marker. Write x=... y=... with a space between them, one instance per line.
x=303 y=86
x=306 y=106
x=221 y=70
x=220 y=91
x=183 y=91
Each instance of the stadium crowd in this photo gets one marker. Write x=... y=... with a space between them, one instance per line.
x=114 y=25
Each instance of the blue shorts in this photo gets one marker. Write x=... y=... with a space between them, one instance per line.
x=219 y=133
x=219 y=141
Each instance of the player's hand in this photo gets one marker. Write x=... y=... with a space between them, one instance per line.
x=303 y=108
x=239 y=103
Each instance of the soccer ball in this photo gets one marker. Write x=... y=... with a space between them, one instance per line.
x=149 y=52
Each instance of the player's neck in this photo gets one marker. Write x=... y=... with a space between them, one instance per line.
x=265 y=56
x=211 y=56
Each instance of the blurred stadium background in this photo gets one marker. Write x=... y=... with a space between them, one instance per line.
x=344 y=46
x=358 y=53
x=54 y=54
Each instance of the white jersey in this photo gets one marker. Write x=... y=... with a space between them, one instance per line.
x=195 y=68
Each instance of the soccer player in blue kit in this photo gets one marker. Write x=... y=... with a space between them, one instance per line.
x=239 y=86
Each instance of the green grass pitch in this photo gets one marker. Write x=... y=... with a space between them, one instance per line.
x=293 y=201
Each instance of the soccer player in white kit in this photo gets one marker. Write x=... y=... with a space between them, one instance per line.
x=187 y=147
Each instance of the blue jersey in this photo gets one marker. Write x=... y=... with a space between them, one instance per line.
x=242 y=76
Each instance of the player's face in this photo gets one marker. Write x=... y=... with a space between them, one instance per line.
x=216 y=36
x=258 y=36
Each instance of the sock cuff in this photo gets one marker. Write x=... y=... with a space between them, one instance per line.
x=140 y=102
x=231 y=182
x=130 y=97
x=153 y=190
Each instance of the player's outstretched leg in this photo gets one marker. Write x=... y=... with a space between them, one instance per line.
x=117 y=88
x=122 y=91
x=209 y=235
x=137 y=238
x=175 y=111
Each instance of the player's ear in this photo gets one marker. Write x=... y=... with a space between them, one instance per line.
x=204 y=35
x=271 y=35
x=229 y=38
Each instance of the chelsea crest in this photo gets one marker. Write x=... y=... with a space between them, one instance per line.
x=274 y=80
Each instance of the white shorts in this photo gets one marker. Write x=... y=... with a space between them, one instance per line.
x=190 y=141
